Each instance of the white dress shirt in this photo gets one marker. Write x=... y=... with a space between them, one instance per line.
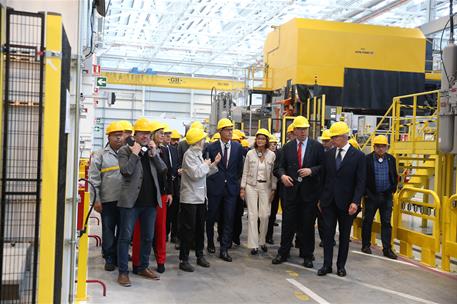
x=343 y=152
x=303 y=148
x=228 y=150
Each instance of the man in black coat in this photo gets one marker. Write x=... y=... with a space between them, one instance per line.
x=299 y=170
x=382 y=180
x=344 y=186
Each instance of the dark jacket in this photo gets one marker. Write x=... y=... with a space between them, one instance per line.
x=132 y=176
x=393 y=175
x=346 y=185
x=230 y=176
x=309 y=188
x=168 y=180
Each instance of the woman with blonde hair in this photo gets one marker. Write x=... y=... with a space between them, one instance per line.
x=257 y=187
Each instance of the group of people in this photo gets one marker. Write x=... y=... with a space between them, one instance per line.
x=151 y=187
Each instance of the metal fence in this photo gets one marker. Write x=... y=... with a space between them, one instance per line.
x=21 y=155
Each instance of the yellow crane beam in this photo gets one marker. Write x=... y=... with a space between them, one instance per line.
x=172 y=81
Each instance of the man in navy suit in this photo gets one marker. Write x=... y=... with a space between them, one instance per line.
x=344 y=185
x=299 y=170
x=223 y=187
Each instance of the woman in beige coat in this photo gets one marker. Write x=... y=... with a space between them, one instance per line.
x=257 y=187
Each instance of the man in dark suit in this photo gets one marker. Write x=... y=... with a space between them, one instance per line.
x=223 y=187
x=382 y=180
x=170 y=153
x=299 y=170
x=344 y=185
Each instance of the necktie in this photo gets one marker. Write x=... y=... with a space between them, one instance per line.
x=339 y=159
x=224 y=156
x=300 y=144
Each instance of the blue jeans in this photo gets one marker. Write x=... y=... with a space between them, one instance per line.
x=110 y=223
x=147 y=216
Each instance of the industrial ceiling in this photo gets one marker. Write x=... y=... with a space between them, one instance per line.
x=221 y=38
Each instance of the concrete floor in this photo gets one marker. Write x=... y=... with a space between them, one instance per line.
x=253 y=279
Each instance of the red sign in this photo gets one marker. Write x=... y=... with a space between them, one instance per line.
x=96 y=69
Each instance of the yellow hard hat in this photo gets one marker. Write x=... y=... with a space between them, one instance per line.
x=339 y=128
x=236 y=138
x=263 y=132
x=326 y=135
x=194 y=135
x=224 y=123
x=290 y=128
x=353 y=142
x=167 y=129
x=273 y=139
x=301 y=122
x=127 y=125
x=142 y=124
x=175 y=134
x=239 y=133
x=380 y=140
x=157 y=125
x=244 y=143
x=198 y=125
x=215 y=137
x=115 y=126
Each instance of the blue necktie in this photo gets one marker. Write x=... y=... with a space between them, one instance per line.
x=339 y=159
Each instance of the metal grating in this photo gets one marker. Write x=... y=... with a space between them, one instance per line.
x=21 y=155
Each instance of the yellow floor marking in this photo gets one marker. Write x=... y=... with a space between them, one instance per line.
x=301 y=296
x=292 y=273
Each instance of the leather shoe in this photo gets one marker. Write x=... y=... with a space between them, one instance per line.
x=123 y=279
x=366 y=249
x=225 y=256
x=264 y=248
x=341 y=272
x=185 y=266
x=237 y=242
x=201 y=261
x=278 y=259
x=160 y=268
x=389 y=254
x=270 y=241
x=324 y=270
x=109 y=267
x=211 y=248
x=308 y=263
x=150 y=274
x=254 y=251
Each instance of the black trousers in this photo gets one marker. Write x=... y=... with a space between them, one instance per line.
x=238 y=224
x=192 y=229
x=333 y=215
x=298 y=215
x=173 y=210
x=221 y=206
x=273 y=213
x=383 y=202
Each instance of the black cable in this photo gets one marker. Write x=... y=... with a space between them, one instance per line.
x=92 y=203
x=91 y=22
x=451 y=34
x=441 y=46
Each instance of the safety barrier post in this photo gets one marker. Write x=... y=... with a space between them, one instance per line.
x=50 y=155
x=449 y=232
x=83 y=253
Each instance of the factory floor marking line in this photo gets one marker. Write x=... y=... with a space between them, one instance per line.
x=301 y=296
x=386 y=290
x=292 y=273
x=308 y=292
x=383 y=258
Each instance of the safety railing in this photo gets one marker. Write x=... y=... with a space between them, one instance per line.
x=315 y=113
x=415 y=132
x=377 y=128
x=450 y=232
x=406 y=203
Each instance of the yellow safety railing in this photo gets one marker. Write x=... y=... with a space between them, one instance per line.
x=376 y=130
x=406 y=204
x=449 y=232
x=315 y=113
